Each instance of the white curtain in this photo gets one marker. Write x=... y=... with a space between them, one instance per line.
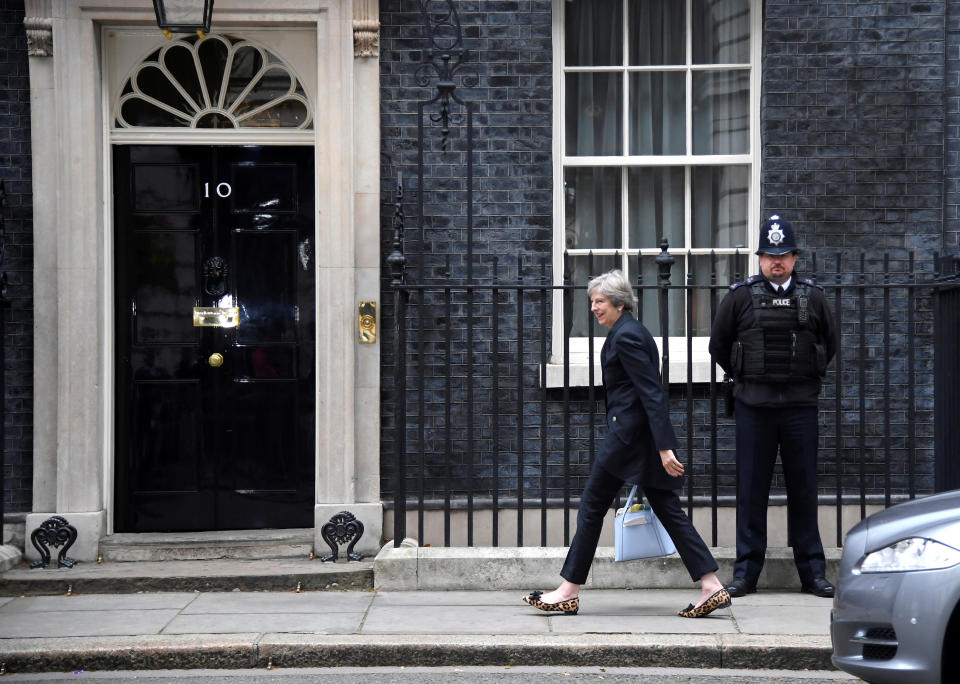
x=721 y=35
x=656 y=126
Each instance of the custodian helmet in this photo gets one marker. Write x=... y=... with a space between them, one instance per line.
x=776 y=237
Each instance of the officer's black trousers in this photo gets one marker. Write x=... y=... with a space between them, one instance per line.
x=760 y=432
x=598 y=495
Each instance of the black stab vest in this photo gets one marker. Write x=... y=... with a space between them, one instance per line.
x=779 y=346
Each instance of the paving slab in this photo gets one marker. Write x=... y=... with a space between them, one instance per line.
x=99 y=602
x=273 y=602
x=86 y=623
x=637 y=612
x=448 y=598
x=636 y=602
x=716 y=623
x=803 y=620
x=238 y=623
x=451 y=619
x=782 y=598
x=782 y=613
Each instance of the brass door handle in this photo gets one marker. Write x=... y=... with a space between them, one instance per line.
x=215 y=360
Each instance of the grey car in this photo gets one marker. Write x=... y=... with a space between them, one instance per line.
x=896 y=612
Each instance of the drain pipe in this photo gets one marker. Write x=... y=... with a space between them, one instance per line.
x=3 y=354
x=4 y=302
x=945 y=139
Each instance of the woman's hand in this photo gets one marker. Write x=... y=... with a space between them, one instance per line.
x=673 y=467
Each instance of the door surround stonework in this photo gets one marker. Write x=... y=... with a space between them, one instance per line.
x=71 y=139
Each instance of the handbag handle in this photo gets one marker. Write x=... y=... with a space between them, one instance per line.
x=630 y=498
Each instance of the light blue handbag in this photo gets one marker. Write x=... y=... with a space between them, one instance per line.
x=639 y=534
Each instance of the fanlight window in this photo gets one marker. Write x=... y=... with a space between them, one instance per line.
x=216 y=82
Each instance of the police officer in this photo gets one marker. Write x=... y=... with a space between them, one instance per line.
x=774 y=335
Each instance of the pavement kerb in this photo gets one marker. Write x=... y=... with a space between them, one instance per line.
x=303 y=650
x=771 y=652
x=240 y=651
x=151 y=652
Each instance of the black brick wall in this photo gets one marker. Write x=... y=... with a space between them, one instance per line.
x=951 y=239
x=856 y=99
x=854 y=113
x=507 y=77
x=852 y=119
x=15 y=171
x=509 y=81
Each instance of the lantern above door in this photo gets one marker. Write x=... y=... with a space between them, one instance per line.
x=184 y=16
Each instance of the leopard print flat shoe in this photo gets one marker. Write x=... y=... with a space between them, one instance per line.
x=719 y=599
x=568 y=607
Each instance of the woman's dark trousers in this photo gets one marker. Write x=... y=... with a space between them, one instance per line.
x=595 y=501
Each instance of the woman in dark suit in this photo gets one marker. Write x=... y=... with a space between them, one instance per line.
x=638 y=449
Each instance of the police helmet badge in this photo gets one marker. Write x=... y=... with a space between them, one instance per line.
x=775 y=235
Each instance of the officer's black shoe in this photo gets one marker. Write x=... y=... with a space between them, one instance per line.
x=739 y=586
x=818 y=586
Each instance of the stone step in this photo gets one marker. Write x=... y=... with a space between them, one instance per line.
x=283 y=574
x=231 y=544
x=411 y=568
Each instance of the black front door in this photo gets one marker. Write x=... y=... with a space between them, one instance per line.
x=214 y=283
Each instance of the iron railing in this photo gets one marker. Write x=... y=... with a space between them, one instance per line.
x=476 y=427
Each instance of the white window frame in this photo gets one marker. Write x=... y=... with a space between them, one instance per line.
x=579 y=346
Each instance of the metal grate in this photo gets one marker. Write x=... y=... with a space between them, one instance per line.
x=872 y=652
x=880 y=651
x=882 y=633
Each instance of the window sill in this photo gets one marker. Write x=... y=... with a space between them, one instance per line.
x=580 y=359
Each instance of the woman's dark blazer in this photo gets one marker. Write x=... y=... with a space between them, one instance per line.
x=638 y=419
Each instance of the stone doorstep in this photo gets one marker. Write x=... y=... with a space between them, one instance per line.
x=240 y=651
x=410 y=568
x=244 y=544
x=173 y=575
